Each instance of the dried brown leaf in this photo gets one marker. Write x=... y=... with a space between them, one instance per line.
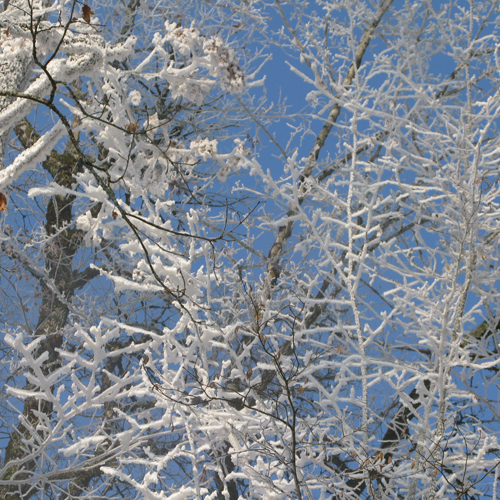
x=86 y=13
x=3 y=202
x=133 y=127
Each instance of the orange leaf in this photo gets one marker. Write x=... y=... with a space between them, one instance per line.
x=339 y=350
x=3 y=202
x=87 y=12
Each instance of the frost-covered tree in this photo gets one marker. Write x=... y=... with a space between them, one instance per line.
x=182 y=321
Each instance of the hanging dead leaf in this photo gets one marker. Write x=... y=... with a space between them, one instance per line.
x=114 y=215
x=133 y=127
x=3 y=202
x=301 y=390
x=339 y=350
x=87 y=12
x=249 y=372
x=257 y=314
x=413 y=464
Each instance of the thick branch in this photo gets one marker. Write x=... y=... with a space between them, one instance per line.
x=285 y=232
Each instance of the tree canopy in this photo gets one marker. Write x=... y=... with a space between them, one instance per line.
x=216 y=288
